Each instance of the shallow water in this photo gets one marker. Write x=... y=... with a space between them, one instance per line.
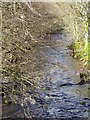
x=59 y=68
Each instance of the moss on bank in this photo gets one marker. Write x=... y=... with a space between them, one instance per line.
x=75 y=15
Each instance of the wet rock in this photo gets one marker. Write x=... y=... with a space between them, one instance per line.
x=81 y=82
x=83 y=103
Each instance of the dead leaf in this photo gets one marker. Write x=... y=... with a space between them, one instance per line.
x=38 y=95
x=44 y=106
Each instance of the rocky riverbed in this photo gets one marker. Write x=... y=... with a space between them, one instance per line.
x=59 y=68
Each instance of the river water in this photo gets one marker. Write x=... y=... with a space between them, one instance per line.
x=59 y=68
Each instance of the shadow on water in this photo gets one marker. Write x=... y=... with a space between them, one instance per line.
x=54 y=67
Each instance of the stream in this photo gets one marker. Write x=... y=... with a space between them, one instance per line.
x=59 y=68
